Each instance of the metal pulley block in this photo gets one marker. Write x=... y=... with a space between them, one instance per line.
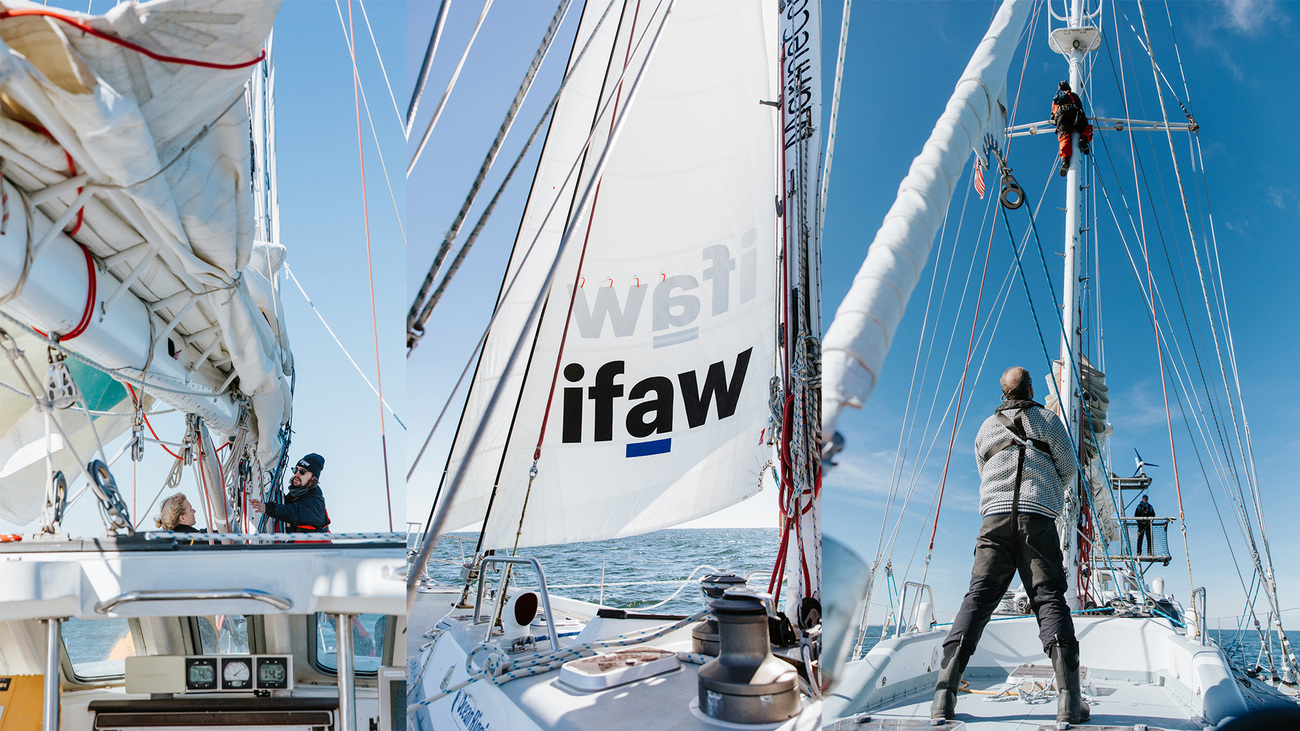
x=110 y=499
x=60 y=389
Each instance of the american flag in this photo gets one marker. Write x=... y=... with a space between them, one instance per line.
x=977 y=178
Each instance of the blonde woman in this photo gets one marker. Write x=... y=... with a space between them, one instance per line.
x=177 y=514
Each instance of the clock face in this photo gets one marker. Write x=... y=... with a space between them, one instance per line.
x=236 y=674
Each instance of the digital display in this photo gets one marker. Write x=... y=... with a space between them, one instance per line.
x=273 y=673
x=200 y=673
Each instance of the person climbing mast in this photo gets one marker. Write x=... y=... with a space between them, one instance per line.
x=1068 y=116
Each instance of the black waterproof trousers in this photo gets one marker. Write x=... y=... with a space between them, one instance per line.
x=1032 y=549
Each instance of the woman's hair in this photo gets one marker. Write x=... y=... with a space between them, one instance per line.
x=171 y=511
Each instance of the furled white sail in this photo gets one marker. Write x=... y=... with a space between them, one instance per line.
x=661 y=375
x=860 y=335
x=144 y=164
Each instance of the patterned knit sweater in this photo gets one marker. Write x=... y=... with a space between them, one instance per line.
x=1043 y=481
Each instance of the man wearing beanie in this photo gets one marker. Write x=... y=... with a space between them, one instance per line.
x=303 y=510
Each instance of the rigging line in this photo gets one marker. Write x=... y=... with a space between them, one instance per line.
x=380 y=57
x=573 y=290
x=943 y=480
x=1201 y=275
x=443 y=412
x=423 y=78
x=1253 y=485
x=373 y=133
x=508 y=282
x=414 y=315
x=415 y=333
x=912 y=389
x=835 y=110
x=342 y=347
x=370 y=269
x=451 y=84
x=1003 y=296
x=441 y=511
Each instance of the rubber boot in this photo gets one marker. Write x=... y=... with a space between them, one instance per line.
x=1070 y=706
x=1065 y=166
x=1084 y=146
x=945 y=691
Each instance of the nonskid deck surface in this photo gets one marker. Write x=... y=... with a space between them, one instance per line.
x=1113 y=704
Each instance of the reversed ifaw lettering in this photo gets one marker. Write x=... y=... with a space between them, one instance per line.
x=677 y=301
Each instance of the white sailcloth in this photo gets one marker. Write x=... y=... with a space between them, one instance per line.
x=163 y=149
x=859 y=337
x=661 y=375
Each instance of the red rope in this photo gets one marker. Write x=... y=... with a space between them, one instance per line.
x=582 y=256
x=91 y=293
x=956 y=419
x=83 y=27
x=365 y=214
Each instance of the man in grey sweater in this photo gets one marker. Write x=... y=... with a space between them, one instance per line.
x=1025 y=463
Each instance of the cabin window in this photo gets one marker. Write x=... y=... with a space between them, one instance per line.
x=223 y=634
x=369 y=632
x=98 y=649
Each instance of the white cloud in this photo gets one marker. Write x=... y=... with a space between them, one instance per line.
x=1248 y=16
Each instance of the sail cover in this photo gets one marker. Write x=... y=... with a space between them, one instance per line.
x=165 y=226
x=661 y=372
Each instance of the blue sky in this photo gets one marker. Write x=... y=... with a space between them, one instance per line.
x=903 y=61
x=335 y=413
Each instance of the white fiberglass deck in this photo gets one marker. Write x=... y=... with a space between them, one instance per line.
x=1137 y=671
x=658 y=703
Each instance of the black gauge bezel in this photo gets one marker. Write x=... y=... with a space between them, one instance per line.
x=283 y=662
x=237 y=684
x=209 y=662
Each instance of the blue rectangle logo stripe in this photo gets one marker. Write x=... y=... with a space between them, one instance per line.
x=643 y=449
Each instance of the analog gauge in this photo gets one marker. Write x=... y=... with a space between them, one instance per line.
x=236 y=673
x=200 y=673
x=272 y=673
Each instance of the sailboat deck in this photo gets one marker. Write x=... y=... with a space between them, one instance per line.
x=1113 y=703
x=658 y=703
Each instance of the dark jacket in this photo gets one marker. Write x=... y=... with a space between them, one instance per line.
x=1144 y=510
x=182 y=528
x=302 y=514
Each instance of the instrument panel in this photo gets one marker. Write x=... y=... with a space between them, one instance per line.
x=234 y=673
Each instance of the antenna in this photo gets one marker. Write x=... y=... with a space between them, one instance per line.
x=1141 y=463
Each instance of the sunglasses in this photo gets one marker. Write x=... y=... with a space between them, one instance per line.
x=301 y=471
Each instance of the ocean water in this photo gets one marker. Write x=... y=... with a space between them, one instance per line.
x=636 y=572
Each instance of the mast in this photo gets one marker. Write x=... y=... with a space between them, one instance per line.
x=1074 y=48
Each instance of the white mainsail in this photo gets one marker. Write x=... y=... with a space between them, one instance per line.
x=145 y=165
x=654 y=392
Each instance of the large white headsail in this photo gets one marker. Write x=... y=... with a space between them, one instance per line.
x=661 y=375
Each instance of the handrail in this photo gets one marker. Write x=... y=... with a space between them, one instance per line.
x=185 y=595
x=902 y=604
x=553 y=631
x=1200 y=615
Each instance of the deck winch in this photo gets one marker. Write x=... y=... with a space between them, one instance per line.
x=746 y=683
x=704 y=636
